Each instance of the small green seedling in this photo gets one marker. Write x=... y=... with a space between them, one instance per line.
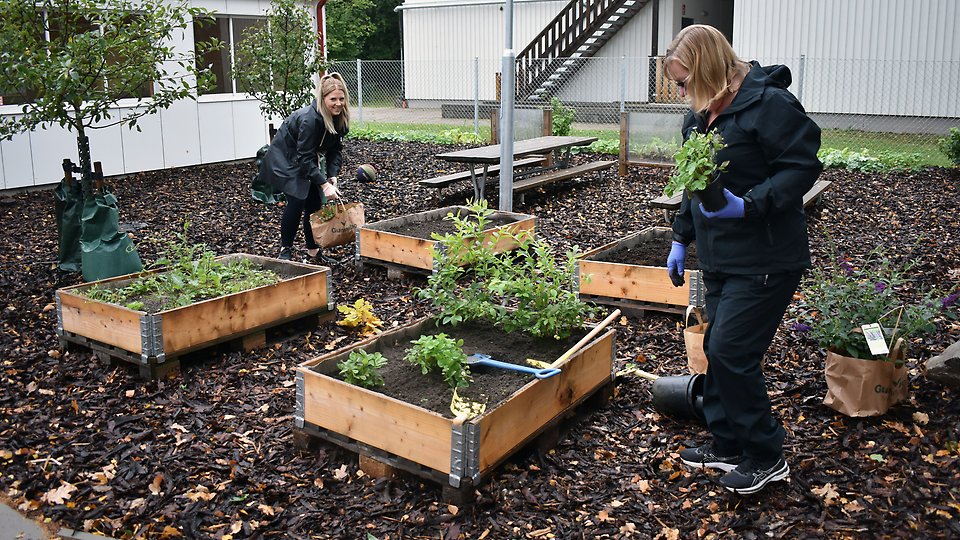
x=444 y=353
x=362 y=369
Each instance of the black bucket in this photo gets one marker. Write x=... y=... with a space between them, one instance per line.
x=680 y=396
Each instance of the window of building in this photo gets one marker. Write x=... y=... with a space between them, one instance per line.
x=230 y=30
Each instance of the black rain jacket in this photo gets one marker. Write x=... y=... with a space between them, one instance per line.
x=291 y=163
x=772 y=148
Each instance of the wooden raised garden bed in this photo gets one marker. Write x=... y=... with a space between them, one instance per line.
x=456 y=453
x=633 y=285
x=155 y=341
x=404 y=244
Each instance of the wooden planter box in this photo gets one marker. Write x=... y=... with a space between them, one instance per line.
x=636 y=286
x=155 y=341
x=376 y=244
x=435 y=446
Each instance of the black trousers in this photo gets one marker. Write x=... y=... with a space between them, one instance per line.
x=297 y=212
x=744 y=312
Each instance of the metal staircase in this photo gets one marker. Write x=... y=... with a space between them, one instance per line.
x=577 y=32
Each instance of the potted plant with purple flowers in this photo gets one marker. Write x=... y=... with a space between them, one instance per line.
x=844 y=295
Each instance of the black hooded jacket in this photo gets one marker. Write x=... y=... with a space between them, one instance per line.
x=772 y=148
x=291 y=162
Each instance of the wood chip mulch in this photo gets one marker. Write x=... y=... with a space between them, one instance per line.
x=209 y=453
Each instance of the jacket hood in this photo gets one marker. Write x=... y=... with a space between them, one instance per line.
x=757 y=79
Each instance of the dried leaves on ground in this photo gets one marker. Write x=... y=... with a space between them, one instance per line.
x=210 y=453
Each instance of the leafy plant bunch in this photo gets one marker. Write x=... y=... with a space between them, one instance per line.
x=842 y=296
x=561 y=117
x=363 y=369
x=441 y=352
x=527 y=289
x=360 y=315
x=696 y=163
x=867 y=162
x=950 y=145
x=192 y=274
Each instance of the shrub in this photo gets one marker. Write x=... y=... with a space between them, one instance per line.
x=950 y=145
x=562 y=117
x=441 y=352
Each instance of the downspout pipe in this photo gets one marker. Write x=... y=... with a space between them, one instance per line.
x=322 y=28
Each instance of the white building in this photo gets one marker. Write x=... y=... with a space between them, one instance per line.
x=221 y=125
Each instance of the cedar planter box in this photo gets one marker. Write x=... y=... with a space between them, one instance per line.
x=155 y=341
x=380 y=243
x=636 y=286
x=435 y=446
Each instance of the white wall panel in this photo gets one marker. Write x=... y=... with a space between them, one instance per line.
x=249 y=129
x=216 y=132
x=143 y=150
x=106 y=146
x=48 y=147
x=17 y=162
x=181 y=137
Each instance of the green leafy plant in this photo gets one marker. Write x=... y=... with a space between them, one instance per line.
x=866 y=161
x=192 y=274
x=441 y=352
x=844 y=294
x=950 y=145
x=275 y=62
x=363 y=369
x=360 y=315
x=524 y=289
x=696 y=163
x=657 y=148
x=562 y=117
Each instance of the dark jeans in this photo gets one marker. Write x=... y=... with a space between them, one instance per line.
x=298 y=211
x=744 y=312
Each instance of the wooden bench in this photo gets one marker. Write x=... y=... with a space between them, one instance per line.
x=561 y=174
x=672 y=204
x=494 y=170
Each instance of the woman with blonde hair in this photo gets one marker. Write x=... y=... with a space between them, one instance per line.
x=752 y=252
x=311 y=136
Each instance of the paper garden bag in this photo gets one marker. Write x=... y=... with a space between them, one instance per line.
x=336 y=223
x=858 y=387
x=693 y=339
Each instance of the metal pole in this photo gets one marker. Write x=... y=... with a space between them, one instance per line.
x=360 y=91
x=508 y=90
x=476 y=95
x=803 y=66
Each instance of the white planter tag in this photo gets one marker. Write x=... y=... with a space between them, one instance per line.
x=875 y=339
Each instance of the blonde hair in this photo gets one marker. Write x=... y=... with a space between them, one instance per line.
x=705 y=52
x=330 y=83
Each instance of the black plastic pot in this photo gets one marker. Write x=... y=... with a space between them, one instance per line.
x=680 y=396
x=712 y=196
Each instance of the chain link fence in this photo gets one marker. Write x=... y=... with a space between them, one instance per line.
x=897 y=106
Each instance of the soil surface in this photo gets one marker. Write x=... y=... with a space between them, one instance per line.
x=209 y=452
x=649 y=253
x=425 y=229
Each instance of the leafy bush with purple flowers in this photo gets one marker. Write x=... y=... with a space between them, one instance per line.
x=844 y=294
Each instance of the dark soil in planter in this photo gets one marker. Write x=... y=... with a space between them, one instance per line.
x=211 y=450
x=424 y=229
x=491 y=386
x=652 y=252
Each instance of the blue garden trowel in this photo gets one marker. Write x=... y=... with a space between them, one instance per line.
x=485 y=360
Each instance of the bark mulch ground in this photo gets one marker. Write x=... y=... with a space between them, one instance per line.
x=209 y=453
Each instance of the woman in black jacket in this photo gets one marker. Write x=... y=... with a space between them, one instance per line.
x=310 y=136
x=752 y=252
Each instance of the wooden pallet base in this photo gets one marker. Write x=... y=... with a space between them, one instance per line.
x=155 y=368
x=381 y=464
x=394 y=271
x=634 y=308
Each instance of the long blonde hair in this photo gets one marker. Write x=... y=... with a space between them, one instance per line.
x=705 y=52
x=329 y=83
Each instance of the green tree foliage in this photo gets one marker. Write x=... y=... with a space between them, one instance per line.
x=364 y=29
x=275 y=62
x=98 y=52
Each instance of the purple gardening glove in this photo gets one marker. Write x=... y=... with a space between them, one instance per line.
x=678 y=252
x=732 y=210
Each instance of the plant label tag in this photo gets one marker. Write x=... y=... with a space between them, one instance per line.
x=875 y=339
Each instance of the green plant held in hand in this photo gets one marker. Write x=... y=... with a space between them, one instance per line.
x=441 y=352
x=950 y=145
x=561 y=117
x=696 y=163
x=842 y=295
x=363 y=369
x=193 y=274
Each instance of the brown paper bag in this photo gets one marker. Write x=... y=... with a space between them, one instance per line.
x=336 y=223
x=693 y=339
x=857 y=387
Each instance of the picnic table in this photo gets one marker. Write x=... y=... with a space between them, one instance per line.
x=671 y=204
x=489 y=155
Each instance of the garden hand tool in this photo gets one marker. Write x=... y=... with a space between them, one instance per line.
x=596 y=330
x=485 y=360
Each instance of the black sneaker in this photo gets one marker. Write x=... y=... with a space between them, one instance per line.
x=321 y=259
x=750 y=476
x=703 y=457
x=286 y=254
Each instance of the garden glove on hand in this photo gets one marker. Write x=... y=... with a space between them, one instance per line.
x=732 y=210
x=678 y=252
x=330 y=191
x=332 y=180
